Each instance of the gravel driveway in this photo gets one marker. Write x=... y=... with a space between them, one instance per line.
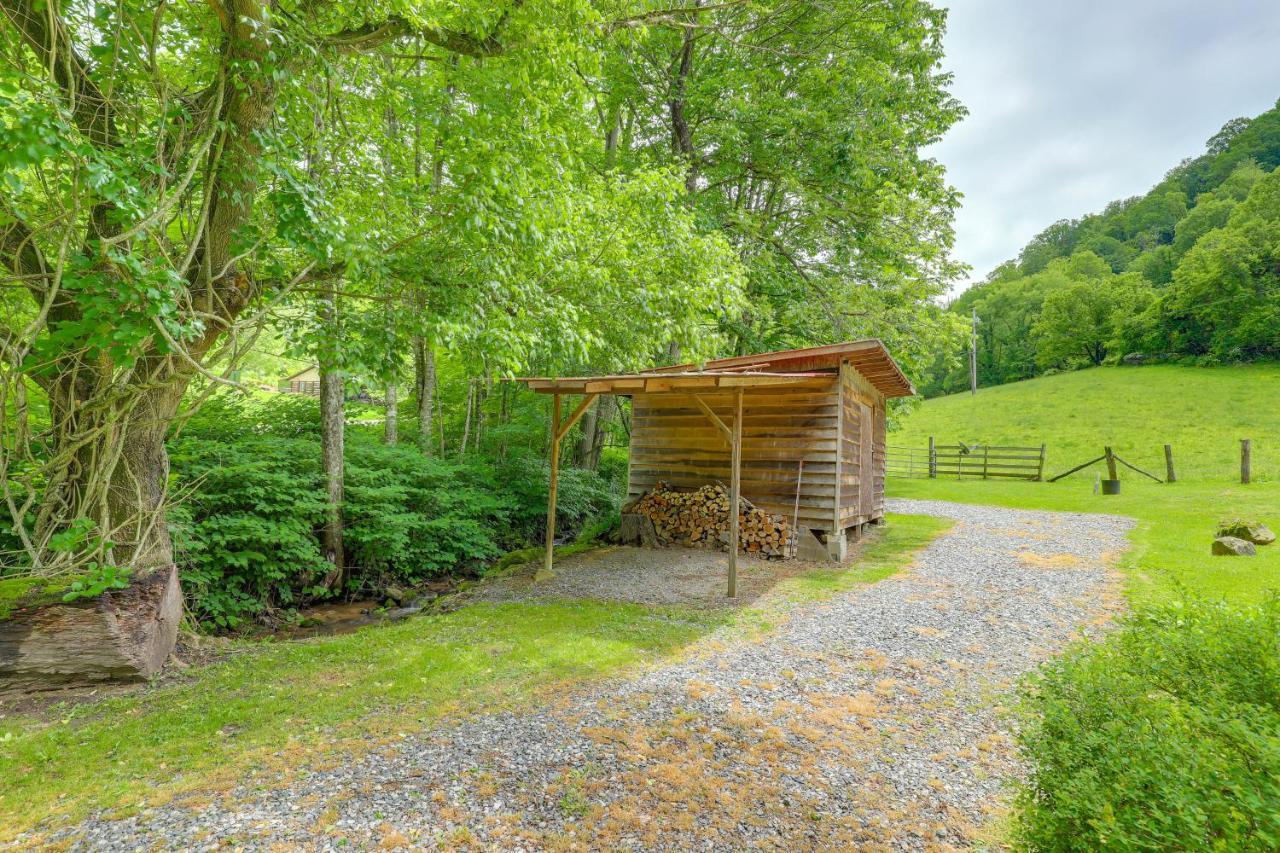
x=873 y=719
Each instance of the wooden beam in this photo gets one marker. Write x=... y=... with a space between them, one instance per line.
x=1133 y=467
x=715 y=419
x=735 y=491
x=575 y=417
x=551 y=488
x=1077 y=468
x=614 y=385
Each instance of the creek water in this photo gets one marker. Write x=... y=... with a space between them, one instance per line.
x=324 y=620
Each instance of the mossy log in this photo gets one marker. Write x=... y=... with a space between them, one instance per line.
x=123 y=635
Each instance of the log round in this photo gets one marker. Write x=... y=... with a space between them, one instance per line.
x=123 y=635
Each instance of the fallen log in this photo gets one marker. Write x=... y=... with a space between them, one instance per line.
x=122 y=635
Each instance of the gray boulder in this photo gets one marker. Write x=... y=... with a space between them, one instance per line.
x=1250 y=531
x=1230 y=546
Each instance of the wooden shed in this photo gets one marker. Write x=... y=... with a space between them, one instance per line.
x=802 y=427
x=305 y=381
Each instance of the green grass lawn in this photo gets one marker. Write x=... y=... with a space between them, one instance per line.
x=1202 y=411
x=288 y=705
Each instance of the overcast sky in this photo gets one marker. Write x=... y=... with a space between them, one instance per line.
x=1073 y=104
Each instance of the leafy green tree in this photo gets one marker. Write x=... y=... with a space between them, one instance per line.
x=1225 y=295
x=163 y=198
x=1079 y=324
x=799 y=130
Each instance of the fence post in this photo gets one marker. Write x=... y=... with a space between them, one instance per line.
x=1111 y=464
x=1169 y=476
x=986 y=453
x=1246 y=459
x=1040 y=469
x=933 y=459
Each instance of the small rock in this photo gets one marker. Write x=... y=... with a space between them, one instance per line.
x=396 y=594
x=1231 y=546
x=1250 y=531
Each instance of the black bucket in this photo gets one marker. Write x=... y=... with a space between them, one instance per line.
x=1111 y=487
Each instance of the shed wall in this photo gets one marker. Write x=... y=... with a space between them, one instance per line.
x=673 y=440
x=862 y=492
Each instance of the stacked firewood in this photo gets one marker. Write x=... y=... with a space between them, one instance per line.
x=701 y=519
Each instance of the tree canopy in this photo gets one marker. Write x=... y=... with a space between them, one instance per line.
x=547 y=185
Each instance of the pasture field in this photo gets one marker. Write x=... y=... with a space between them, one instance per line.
x=1203 y=412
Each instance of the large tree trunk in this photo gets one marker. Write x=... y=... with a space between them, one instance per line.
x=424 y=386
x=332 y=425
x=390 y=426
x=681 y=132
x=595 y=425
x=109 y=465
x=332 y=432
x=587 y=440
x=466 y=424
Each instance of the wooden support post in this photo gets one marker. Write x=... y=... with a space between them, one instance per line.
x=551 y=488
x=1246 y=460
x=735 y=486
x=563 y=429
x=1169 y=475
x=725 y=433
x=933 y=459
x=986 y=453
x=1040 y=470
x=1110 y=456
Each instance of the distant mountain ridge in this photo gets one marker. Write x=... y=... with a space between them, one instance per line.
x=1189 y=270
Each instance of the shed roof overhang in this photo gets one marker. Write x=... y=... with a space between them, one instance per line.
x=785 y=367
x=682 y=381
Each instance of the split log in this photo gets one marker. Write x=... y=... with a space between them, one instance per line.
x=637 y=529
x=701 y=519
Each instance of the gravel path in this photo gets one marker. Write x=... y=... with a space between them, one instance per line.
x=872 y=719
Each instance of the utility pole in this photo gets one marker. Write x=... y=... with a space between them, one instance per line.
x=973 y=356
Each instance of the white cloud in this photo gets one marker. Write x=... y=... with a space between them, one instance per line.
x=1072 y=105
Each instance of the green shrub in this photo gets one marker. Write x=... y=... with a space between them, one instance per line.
x=252 y=505
x=581 y=497
x=245 y=525
x=416 y=517
x=1164 y=736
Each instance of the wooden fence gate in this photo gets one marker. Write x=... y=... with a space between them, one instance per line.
x=966 y=461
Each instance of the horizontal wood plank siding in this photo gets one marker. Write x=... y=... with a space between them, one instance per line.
x=854 y=507
x=672 y=440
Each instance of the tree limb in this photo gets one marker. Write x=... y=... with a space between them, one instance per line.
x=19 y=253
x=371 y=36
x=46 y=34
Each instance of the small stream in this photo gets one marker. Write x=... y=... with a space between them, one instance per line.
x=325 y=620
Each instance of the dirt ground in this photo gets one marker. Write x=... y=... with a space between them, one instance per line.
x=674 y=575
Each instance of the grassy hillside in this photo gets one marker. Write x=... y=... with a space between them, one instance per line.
x=1202 y=411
